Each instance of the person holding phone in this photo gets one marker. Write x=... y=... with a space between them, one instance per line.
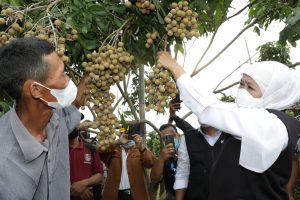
x=126 y=162
x=198 y=151
x=164 y=167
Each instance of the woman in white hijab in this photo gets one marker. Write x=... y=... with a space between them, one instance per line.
x=256 y=162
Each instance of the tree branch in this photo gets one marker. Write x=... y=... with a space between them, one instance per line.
x=126 y=97
x=233 y=72
x=144 y=121
x=117 y=103
x=227 y=87
x=234 y=39
x=94 y=115
x=248 y=52
x=208 y=47
x=50 y=20
x=294 y=65
x=240 y=11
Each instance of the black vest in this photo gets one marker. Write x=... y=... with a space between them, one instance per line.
x=201 y=156
x=230 y=181
x=169 y=175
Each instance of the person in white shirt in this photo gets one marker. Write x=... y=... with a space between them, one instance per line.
x=255 y=162
x=164 y=167
x=200 y=147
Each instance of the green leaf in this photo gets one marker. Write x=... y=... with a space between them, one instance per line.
x=117 y=9
x=218 y=16
x=72 y=23
x=294 y=18
x=79 y=3
x=17 y=2
x=160 y=19
x=4 y=107
x=118 y=22
x=84 y=29
x=87 y=44
x=123 y=121
x=97 y=10
x=178 y=47
x=73 y=7
x=256 y=30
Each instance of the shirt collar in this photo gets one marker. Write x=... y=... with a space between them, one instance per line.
x=54 y=121
x=211 y=139
x=31 y=148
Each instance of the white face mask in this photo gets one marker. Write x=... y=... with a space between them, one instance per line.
x=129 y=144
x=65 y=97
x=245 y=99
x=177 y=143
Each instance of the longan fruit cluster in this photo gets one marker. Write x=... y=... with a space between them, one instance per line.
x=145 y=6
x=151 y=38
x=10 y=14
x=19 y=26
x=104 y=142
x=182 y=21
x=107 y=67
x=105 y=121
x=9 y=18
x=5 y=38
x=160 y=86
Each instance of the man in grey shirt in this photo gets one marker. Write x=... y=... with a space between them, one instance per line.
x=34 y=161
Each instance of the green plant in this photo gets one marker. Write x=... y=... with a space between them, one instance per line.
x=274 y=51
x=153 y=142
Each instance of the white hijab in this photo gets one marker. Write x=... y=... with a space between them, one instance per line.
x=279 y=84
x=280 y=87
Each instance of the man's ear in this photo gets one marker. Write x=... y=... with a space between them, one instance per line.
x=33 y=89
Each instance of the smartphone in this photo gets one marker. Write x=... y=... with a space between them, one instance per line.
x=176 y=99
x=169 y=139
x=134 y=129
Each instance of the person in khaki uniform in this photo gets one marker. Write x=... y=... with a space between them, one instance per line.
x=126 y=161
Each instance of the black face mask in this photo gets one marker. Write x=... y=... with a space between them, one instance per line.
x=73 y=134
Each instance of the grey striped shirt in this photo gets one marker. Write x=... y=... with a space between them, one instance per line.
x=33 y=170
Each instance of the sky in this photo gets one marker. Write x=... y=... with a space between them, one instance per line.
x=223 y=65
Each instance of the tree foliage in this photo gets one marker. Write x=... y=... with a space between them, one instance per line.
x=81 y=29
x=98 y=23
x=274 y=51
x=286 y=11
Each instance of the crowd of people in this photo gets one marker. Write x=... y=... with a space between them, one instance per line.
x=245 y=150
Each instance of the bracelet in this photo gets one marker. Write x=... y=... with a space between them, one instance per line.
x=143 y=150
